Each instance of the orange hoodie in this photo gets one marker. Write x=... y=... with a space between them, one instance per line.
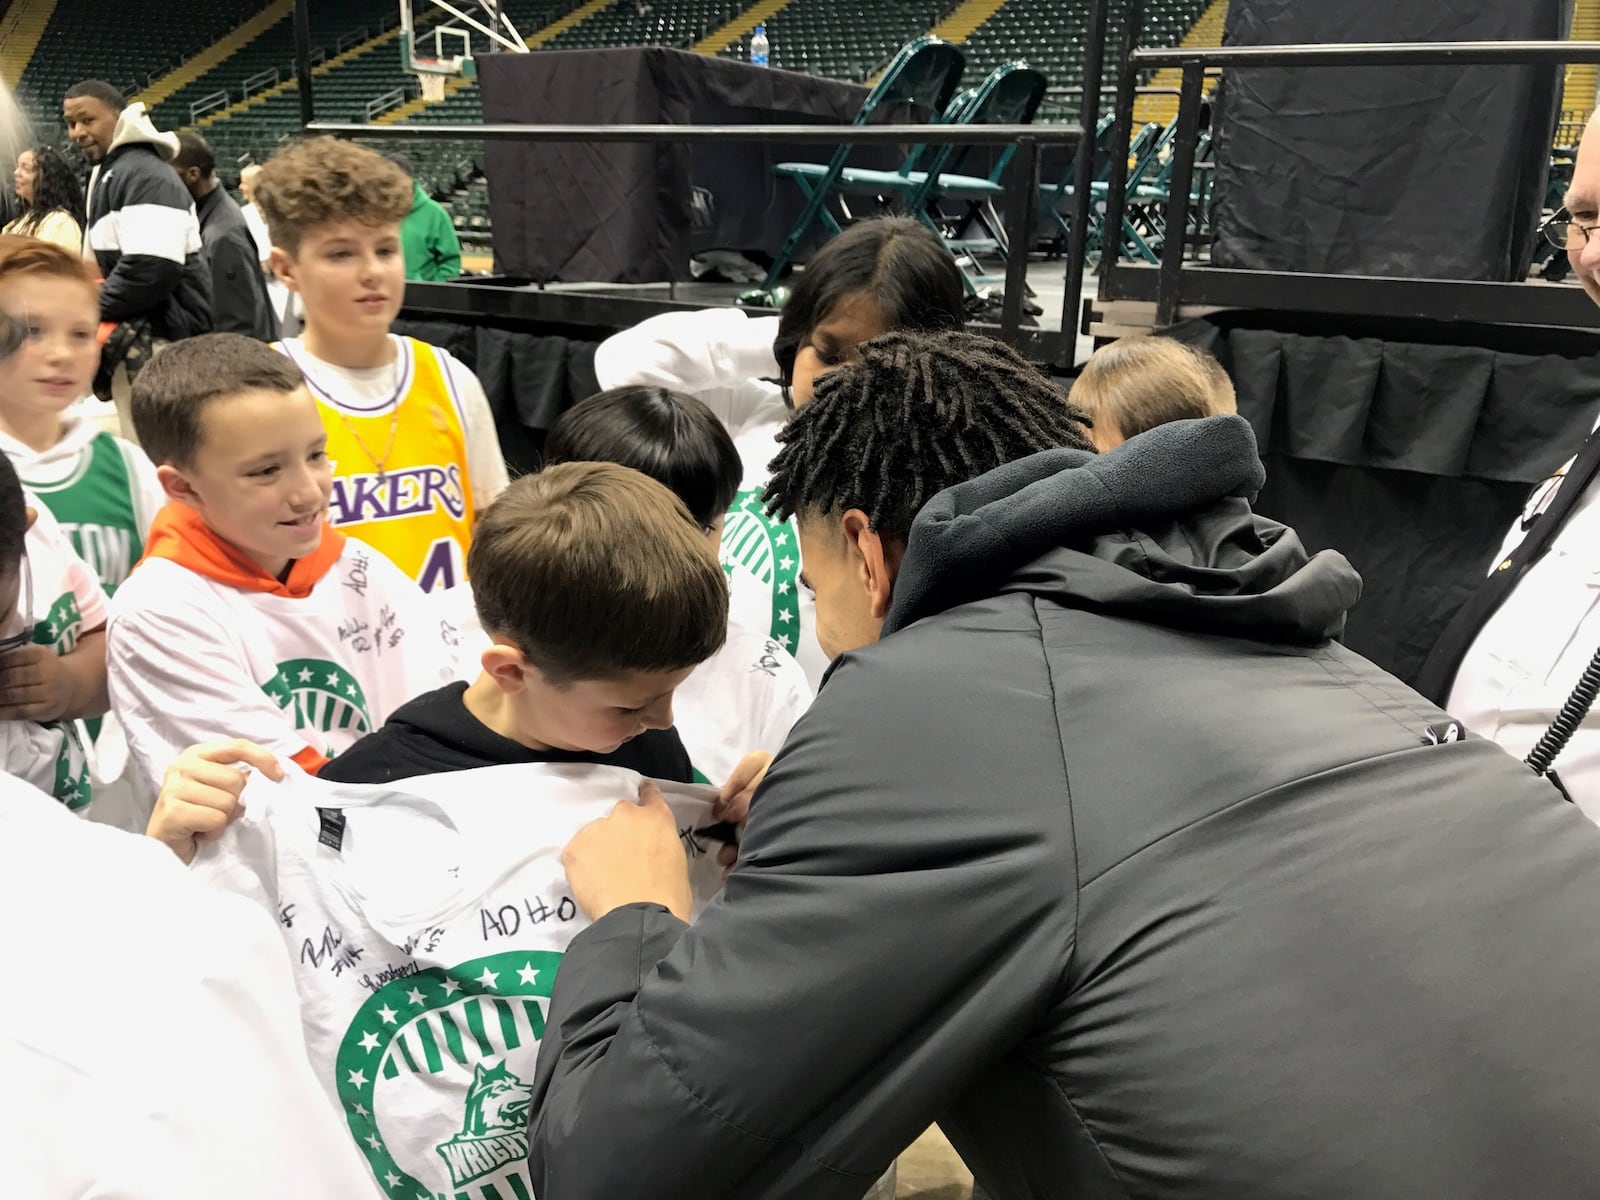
x=180 y=534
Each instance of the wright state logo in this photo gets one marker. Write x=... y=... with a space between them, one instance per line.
x=435 y=1077
x=322 y=696
x=769 y=550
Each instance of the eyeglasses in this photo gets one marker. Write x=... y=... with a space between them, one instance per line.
x=1562 y=232
x=16 y=641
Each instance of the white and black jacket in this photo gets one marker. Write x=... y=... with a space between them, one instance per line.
x=145 y=236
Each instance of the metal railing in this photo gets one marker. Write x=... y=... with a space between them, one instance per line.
x=261 y=80
x=383 y=103
x=1194 y=62
x=207 y=104
x=353 y=38
x=1022 y=192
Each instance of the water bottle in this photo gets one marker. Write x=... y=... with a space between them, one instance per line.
x=759 y=46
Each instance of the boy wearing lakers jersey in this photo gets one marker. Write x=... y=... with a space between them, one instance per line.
x=101 y=490
x=250 y=615
x=410 y=435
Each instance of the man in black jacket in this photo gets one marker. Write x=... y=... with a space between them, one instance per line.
x=240 y=303
x=1095 y=846
x=142 y=230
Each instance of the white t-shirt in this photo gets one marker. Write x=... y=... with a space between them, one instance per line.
x=156 y=1052
x=192 y=659
x=1529 y=656
x=425 y=921
x=745 y=697
x=68 y=602
x=370 y=388
x=724 y=358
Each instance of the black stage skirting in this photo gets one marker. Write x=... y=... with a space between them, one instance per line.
x=622 y=213
x=1411 y=448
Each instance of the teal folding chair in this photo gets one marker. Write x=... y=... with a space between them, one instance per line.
x=1011 y=95
x=1055 y=198
x=1148 y=203
x=1145 y=150
x=923 y=76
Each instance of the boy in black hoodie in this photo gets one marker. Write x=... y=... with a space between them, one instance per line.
x=600 y=595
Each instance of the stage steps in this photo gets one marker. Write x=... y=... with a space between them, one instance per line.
x=1205 y=33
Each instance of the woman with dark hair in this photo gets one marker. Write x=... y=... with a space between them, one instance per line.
x=876 y=277
x=52 y=198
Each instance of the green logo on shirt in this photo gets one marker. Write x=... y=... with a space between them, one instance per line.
x=61 y=625
x=770 y=551
x=322 y=695
x=71 y=786
x=425 y=1037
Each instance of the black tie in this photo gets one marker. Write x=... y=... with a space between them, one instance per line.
x=1438 y=674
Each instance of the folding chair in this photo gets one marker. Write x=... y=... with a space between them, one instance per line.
x=1148 y=204
x=923 y=75
x=1053 y=197
x=1145 y=150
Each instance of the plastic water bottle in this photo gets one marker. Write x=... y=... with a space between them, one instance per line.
x=759 y=46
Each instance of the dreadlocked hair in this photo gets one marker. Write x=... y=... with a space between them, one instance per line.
x=917 y=413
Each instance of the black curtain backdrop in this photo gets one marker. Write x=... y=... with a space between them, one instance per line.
x=1410 y=449
x=1433 y=172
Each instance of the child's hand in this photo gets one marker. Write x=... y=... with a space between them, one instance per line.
x=733 y=797
x=200 y=793
x=35 y=685
x=633 y=856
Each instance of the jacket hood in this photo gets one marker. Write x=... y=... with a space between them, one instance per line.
x=134 y=128
x=1157 y=530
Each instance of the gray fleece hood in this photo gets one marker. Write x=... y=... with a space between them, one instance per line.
x=1157 y=530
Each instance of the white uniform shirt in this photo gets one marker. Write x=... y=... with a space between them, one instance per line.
x=67 y=603
x=745 y=697
x=156 y=1052
x=425 y=921
x=191 y=659
x=724 y=358
x=1530 y=655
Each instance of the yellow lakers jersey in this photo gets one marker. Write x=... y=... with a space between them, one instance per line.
x=400 y=478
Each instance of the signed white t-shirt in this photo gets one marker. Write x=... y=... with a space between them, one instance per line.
x=426 y=920
x=192 y=659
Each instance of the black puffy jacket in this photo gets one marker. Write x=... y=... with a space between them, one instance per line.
x=145 y=236
x=1110 y=860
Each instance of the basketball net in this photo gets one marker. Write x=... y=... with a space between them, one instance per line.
x=432 y=87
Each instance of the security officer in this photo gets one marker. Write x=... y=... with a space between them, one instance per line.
x=1520 y=663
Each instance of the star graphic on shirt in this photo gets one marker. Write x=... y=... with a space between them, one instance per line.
x=451 y=987
x=52 y=627
x=783 y=589
x=351 y=690
x=414 y=995
x=388 y=1014
x=788 y=642
x=372 y=1140
x=781 y=540
x=785 y=616
x=333 y=680
x=528 y=975
x=392 y=1179
x=305 y=674
x=358 y=1079
x=369 y=1042
x=488 y=979
x=361 y=1111
x=283 y=678
x=786 y=563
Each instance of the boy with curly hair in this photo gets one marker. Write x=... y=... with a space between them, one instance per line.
x=409 y=428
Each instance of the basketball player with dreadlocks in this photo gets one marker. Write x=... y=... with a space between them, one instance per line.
x=1095 y=847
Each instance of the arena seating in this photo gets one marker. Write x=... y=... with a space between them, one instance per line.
x=678 y=23
x=845 y=41
x=350 y=21
x=84 y=40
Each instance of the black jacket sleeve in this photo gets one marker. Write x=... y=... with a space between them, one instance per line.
x=156 y=232
x=903 y=907
x=234 y=306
